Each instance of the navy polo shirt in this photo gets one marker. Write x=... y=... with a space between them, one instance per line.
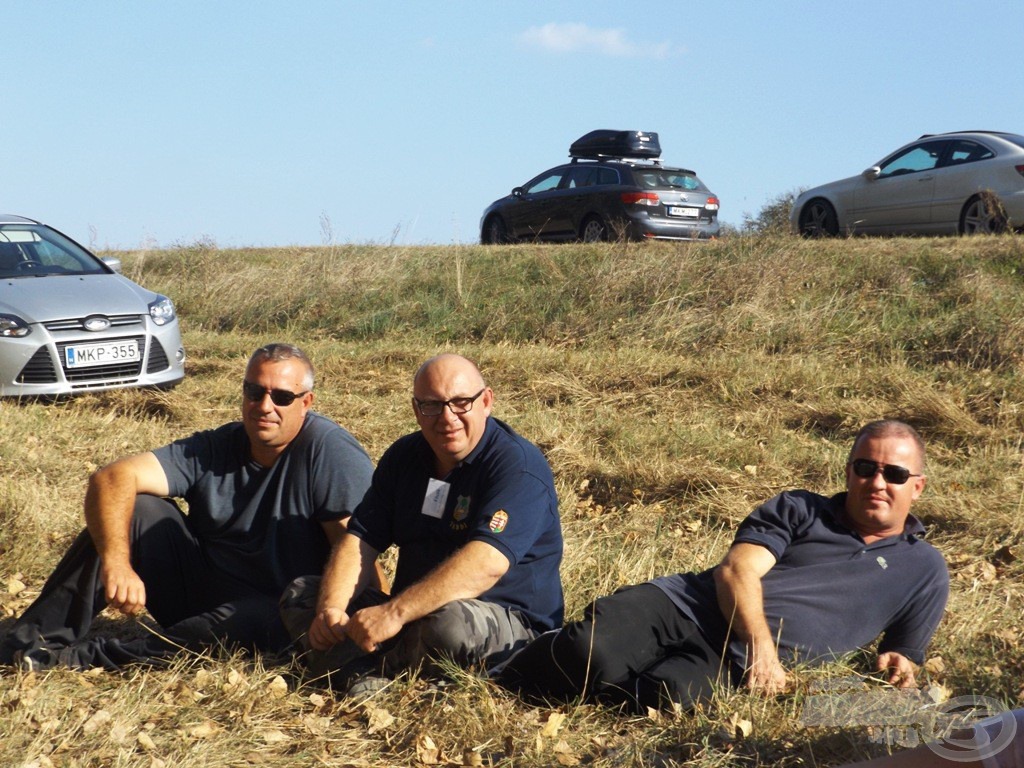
x=829 y=593
x=502 y=493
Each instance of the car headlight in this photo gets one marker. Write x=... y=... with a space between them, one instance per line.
x=162 y=310
x=12 y=326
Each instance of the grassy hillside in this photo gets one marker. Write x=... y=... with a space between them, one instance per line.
x=671 y=386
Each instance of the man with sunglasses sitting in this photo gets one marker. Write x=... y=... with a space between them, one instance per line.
x=807 y=578
x=267 y=496
x=472 y=508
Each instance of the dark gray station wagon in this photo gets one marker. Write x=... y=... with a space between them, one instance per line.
x=614 y=187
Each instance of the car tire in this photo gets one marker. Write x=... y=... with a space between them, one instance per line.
x=818 y=219
x=982 y=215
x=593 y=229
x=495 y=232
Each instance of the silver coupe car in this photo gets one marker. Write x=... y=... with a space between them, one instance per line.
x=69 y=322
x=967 y=182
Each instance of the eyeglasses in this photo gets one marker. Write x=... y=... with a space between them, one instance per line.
x=892 y=473
x=456 y=404
x=280 y=397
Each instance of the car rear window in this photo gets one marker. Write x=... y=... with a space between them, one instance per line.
x=662 y=178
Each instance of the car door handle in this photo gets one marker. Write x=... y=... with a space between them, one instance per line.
x=926 y=178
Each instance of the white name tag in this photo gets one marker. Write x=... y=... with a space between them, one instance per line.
x=436 y=498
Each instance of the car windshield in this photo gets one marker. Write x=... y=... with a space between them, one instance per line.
x=662 y=178
x=28 y=250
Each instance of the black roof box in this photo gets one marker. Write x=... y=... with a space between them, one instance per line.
x=616 y=144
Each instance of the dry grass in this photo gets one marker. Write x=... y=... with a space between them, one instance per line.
x=672 y=387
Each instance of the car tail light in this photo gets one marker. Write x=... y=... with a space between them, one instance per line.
x=712 y=203
x=640 y=198
x=1020 y=169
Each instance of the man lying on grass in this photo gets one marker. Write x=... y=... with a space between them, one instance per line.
x=807 y=578
x=472 y=508
x=266 y=498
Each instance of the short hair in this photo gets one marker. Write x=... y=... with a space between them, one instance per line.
x=278 y=352
x=889 y=428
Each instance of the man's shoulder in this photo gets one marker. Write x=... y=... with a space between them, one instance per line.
x=500 y=437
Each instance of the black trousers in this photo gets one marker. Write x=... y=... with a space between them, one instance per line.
x=195 y=603
x=632 y=648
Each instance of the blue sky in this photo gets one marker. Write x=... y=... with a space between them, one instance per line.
x=133 y=124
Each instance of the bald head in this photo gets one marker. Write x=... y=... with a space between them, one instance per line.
x=448 y=364
x=457 y=402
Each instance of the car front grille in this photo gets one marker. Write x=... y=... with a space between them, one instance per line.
x=117 y=371
x=78 y=323
x=40 y=369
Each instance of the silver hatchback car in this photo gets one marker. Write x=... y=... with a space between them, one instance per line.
x=967 y=182
x=69 y=322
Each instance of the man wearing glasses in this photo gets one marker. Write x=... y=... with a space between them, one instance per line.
x=471 y=507
x=266 y=497
x=808 y=578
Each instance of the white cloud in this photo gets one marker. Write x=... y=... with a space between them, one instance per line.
x=570 y=38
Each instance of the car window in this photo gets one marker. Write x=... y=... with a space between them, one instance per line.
x=662 y=179
x=920 y=157
x=607 y=176
x=963 y=151
x=546 y=183
x=581 y=176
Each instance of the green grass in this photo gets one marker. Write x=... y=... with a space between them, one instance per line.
x=671 y=386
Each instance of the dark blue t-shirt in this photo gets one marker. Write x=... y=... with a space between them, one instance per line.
x=502 y=494
x=263 y=525
x=829 y=592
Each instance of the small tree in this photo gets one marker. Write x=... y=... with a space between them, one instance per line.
x=773 y=218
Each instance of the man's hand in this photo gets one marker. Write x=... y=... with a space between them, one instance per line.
x=123 y=588
x=370 y=627
x=901 y=670
x=767 y=675
x=328 y=628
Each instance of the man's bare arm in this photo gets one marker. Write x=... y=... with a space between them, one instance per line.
x=335 y=531
x=109 y=504
x=741 y=601
x=468 y=573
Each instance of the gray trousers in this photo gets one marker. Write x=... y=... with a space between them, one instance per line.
x=469 y=633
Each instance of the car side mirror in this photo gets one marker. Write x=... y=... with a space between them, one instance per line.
x=872 y=173
x=114 y=264
x=517 y=192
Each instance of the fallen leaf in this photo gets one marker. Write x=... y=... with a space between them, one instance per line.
x=317 y=700
x=203 y=730
x=937 y=692
x=750 y=469
x=278 y=687
x=552 y=723
x=737 y=728
x=426 y=750
x=15 y=586
x=471 y=757
x=146 y=741
x=379 y=718
x=98 y=720
x=936 y=665
x=274 y=736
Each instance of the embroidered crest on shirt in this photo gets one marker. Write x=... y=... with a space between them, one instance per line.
x=499 y=520
x=461 y=509
x=881 y=561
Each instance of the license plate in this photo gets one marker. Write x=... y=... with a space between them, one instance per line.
x=689 y=213
x=85 y=355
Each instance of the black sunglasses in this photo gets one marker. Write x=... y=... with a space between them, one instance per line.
x=892 y=473
x=281 y=397
x=456 y=404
